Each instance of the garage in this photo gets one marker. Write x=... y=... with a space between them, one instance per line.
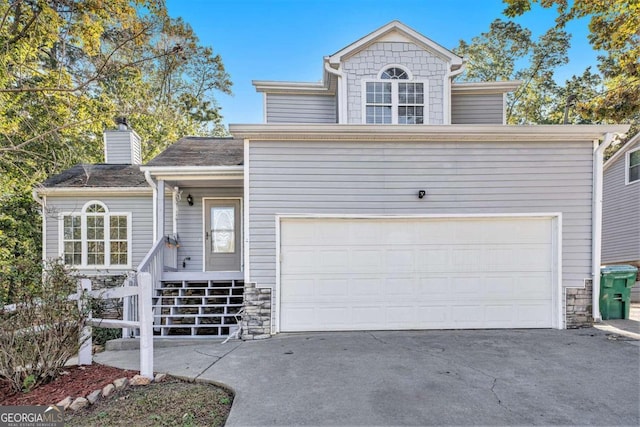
x=392 y=273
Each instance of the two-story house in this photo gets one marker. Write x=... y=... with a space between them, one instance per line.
x=385 y=197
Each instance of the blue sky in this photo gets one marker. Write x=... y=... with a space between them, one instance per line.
x=287 y=39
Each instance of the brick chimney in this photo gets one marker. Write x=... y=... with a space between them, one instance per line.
x=122 y=145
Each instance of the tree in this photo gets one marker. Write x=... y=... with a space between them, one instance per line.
x=67 y=68
x=497 y=55
x=614 y=27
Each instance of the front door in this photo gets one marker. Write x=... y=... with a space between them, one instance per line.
x=222 y=225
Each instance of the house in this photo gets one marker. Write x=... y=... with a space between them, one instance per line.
x=621 y=209
x=387 y=196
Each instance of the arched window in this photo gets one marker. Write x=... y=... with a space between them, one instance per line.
x=394 y=98
x=95 y=237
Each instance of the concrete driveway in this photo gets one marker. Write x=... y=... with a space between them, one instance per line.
x=485 y=377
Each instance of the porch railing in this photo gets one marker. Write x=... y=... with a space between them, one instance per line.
x=163 y=256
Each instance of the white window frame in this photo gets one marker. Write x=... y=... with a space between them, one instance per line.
x=84 y=241
x=394 y=94
x=627 y=167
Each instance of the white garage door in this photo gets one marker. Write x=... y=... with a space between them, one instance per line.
x=424 y=273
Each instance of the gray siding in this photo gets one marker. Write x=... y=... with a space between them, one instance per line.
x=300 y=108
x=122 y=147
x=384 y=178
x=620 y=215
x=141 y=210
x=477 y=109
x=190 y=226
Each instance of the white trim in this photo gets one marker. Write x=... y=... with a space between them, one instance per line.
x=407 y=133
x=284 y=87
x=264 y=108
x=402 y=67
x=556 y=217
x=394 y=100
x=190 y=169
x=446 y=99
x=396 y=26
x=174 y=210
x=477 y=88
x=161 y=211
x=504 y=109
x=107 y=239
x=241 y=229
x=627 y=167
x=245 y=224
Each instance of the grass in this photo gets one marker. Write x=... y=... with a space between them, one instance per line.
x=170 y=403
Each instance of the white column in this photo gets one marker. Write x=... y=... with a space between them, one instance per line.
x=146 y=324
x=160 y=210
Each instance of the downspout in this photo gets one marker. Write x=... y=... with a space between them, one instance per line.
x=596 y=218
x=147 y=176
x=342 y=93
x=176 y=195
x=447 y=97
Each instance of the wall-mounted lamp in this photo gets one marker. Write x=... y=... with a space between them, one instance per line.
x=421 y=194
x=184 y=261
x=190 y=200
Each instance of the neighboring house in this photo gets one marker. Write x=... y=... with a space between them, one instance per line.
x=385 y=197
x=621 y=209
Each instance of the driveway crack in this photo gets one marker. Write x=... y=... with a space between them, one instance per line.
x=218 y=358
x=377 y=338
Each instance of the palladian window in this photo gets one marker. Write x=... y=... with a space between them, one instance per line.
x=95 y=237
x=395 y=99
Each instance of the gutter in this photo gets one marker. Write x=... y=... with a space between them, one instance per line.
x=342 y=92
x=596 y=218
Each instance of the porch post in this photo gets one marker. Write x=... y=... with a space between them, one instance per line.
x=160 y=210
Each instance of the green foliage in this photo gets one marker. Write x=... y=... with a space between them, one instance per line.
x=67 y=68
x=20 y=241
x=42 y=333
x=101 y=335
x=614 y=29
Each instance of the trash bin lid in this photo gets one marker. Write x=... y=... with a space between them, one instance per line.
x=618 y=269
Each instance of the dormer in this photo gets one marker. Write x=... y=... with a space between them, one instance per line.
x=393 y=75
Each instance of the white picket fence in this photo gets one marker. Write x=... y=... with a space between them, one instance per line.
x=143 y=291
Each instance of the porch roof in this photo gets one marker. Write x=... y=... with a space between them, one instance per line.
x=201 y=151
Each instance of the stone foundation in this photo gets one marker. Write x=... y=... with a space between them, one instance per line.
x=256 y=320
x=579 y=306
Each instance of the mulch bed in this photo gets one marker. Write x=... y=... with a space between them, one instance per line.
x=75 y=381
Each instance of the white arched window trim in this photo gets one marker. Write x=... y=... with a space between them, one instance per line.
x=402 y=67
x=394 y=101
x=95 y=240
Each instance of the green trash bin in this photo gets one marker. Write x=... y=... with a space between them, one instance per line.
x=616 y=282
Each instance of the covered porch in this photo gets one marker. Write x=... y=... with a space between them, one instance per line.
x=196 y=262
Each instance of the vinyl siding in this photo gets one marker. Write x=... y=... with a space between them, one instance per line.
x=141 y=210
x=477 y=109
x=190 y=225
x=620 y=215
x=300 y=108
x=122 y=147
x=384 y=178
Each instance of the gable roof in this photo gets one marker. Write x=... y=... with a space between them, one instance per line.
x=622 y=150
x=98 y=176
x=397 y=31
x=201 y=151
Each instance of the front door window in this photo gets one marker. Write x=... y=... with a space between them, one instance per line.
x=222 y=225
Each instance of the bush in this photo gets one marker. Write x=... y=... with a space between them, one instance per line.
x=102 y=335
x=42 y=333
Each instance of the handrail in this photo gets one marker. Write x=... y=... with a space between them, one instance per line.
x=150 y=255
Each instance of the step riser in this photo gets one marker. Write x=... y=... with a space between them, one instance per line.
x=197 y=308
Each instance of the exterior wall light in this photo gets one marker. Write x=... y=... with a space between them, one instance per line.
x=421 y=194
x=190 y=200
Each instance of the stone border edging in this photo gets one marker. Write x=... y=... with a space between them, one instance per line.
x=117 y=385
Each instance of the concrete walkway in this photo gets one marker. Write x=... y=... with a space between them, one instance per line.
x=484 y=377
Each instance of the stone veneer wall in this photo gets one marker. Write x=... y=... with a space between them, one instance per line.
x=422 y=64
x=111 y=308
x=578 y=306
x=256 y=320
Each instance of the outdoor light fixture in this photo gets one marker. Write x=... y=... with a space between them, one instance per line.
x=190 y=200
x=421 y=194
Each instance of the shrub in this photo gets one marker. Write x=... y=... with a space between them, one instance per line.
x=42 y=333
